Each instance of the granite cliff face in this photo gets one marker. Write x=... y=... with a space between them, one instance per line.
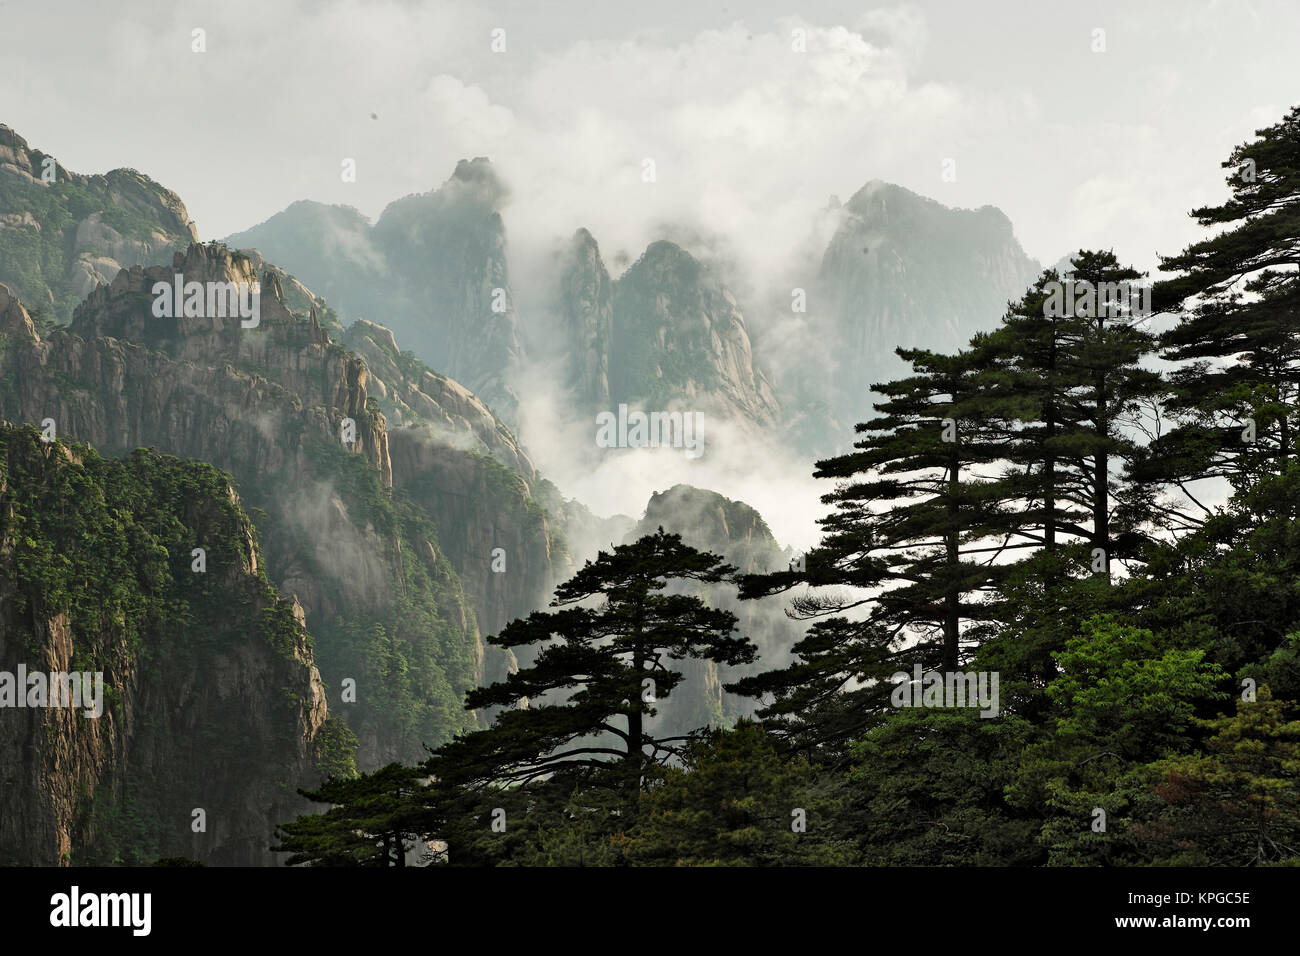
x=666 y=334
x=433 y=268
x=392 y=562
x=678 y=333
x=904 y=270
x=211 y=701
x=449 y=248
x=586 y=308
x=412 y=394
x=62 y=233
x=452 y=454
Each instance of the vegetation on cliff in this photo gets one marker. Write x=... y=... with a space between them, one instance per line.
x=147 y=570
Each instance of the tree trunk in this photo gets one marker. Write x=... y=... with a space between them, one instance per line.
x=1049 y=463
x=1101 y=472
x=635 y=731
x=952 y=595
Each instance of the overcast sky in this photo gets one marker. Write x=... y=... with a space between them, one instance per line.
x=749 y=137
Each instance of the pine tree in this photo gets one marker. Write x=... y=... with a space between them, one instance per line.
x=1064 y=372
x=374 y=820
x=736 y=801
x=1065 y=365
x=1017 y=444
x=917 y=526
x=1238 y=804
x=1123 y=696
x=1237 y=397
x=585 y=702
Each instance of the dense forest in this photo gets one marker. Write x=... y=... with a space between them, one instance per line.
x=1054 y=617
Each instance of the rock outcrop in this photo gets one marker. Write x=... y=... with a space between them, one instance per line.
x=392 y=563
x=905 y=271
x=411 y=394
x=62 y=233
x=586 y=309
x=212 y=709
x=666 y=335
x=433 y=268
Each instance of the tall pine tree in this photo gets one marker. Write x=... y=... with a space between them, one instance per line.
x=909 y=553
x=1067 y=365
x=1237 y=394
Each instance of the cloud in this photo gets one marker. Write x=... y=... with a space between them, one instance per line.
x=739 y=460
x=467 y=113
x=748 y=135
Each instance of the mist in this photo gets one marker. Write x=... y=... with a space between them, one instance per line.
x=743 y=115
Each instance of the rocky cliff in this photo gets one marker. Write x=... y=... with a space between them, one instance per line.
x=904 y=270
x=62 y=233
x=585 y=304
x=213 y=712
x=433 y=268
x=412 y=394
x=666 y=334
x=494 y=512
x=360 y=544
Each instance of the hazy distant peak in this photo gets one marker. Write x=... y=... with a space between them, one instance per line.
x=710 y=519
x=662 y=256
x=478 y=168
x=878 y=199
x=309 y=210
x=482 y=179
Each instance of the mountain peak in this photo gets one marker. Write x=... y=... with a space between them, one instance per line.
x=16 y=156
x=906 y=270
x=57 y=245
x=701 y=509
x=664 y=256
x=476 y=168
x=877 y=199
x=482 y=179
x=15 y=323
x=679 y=335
